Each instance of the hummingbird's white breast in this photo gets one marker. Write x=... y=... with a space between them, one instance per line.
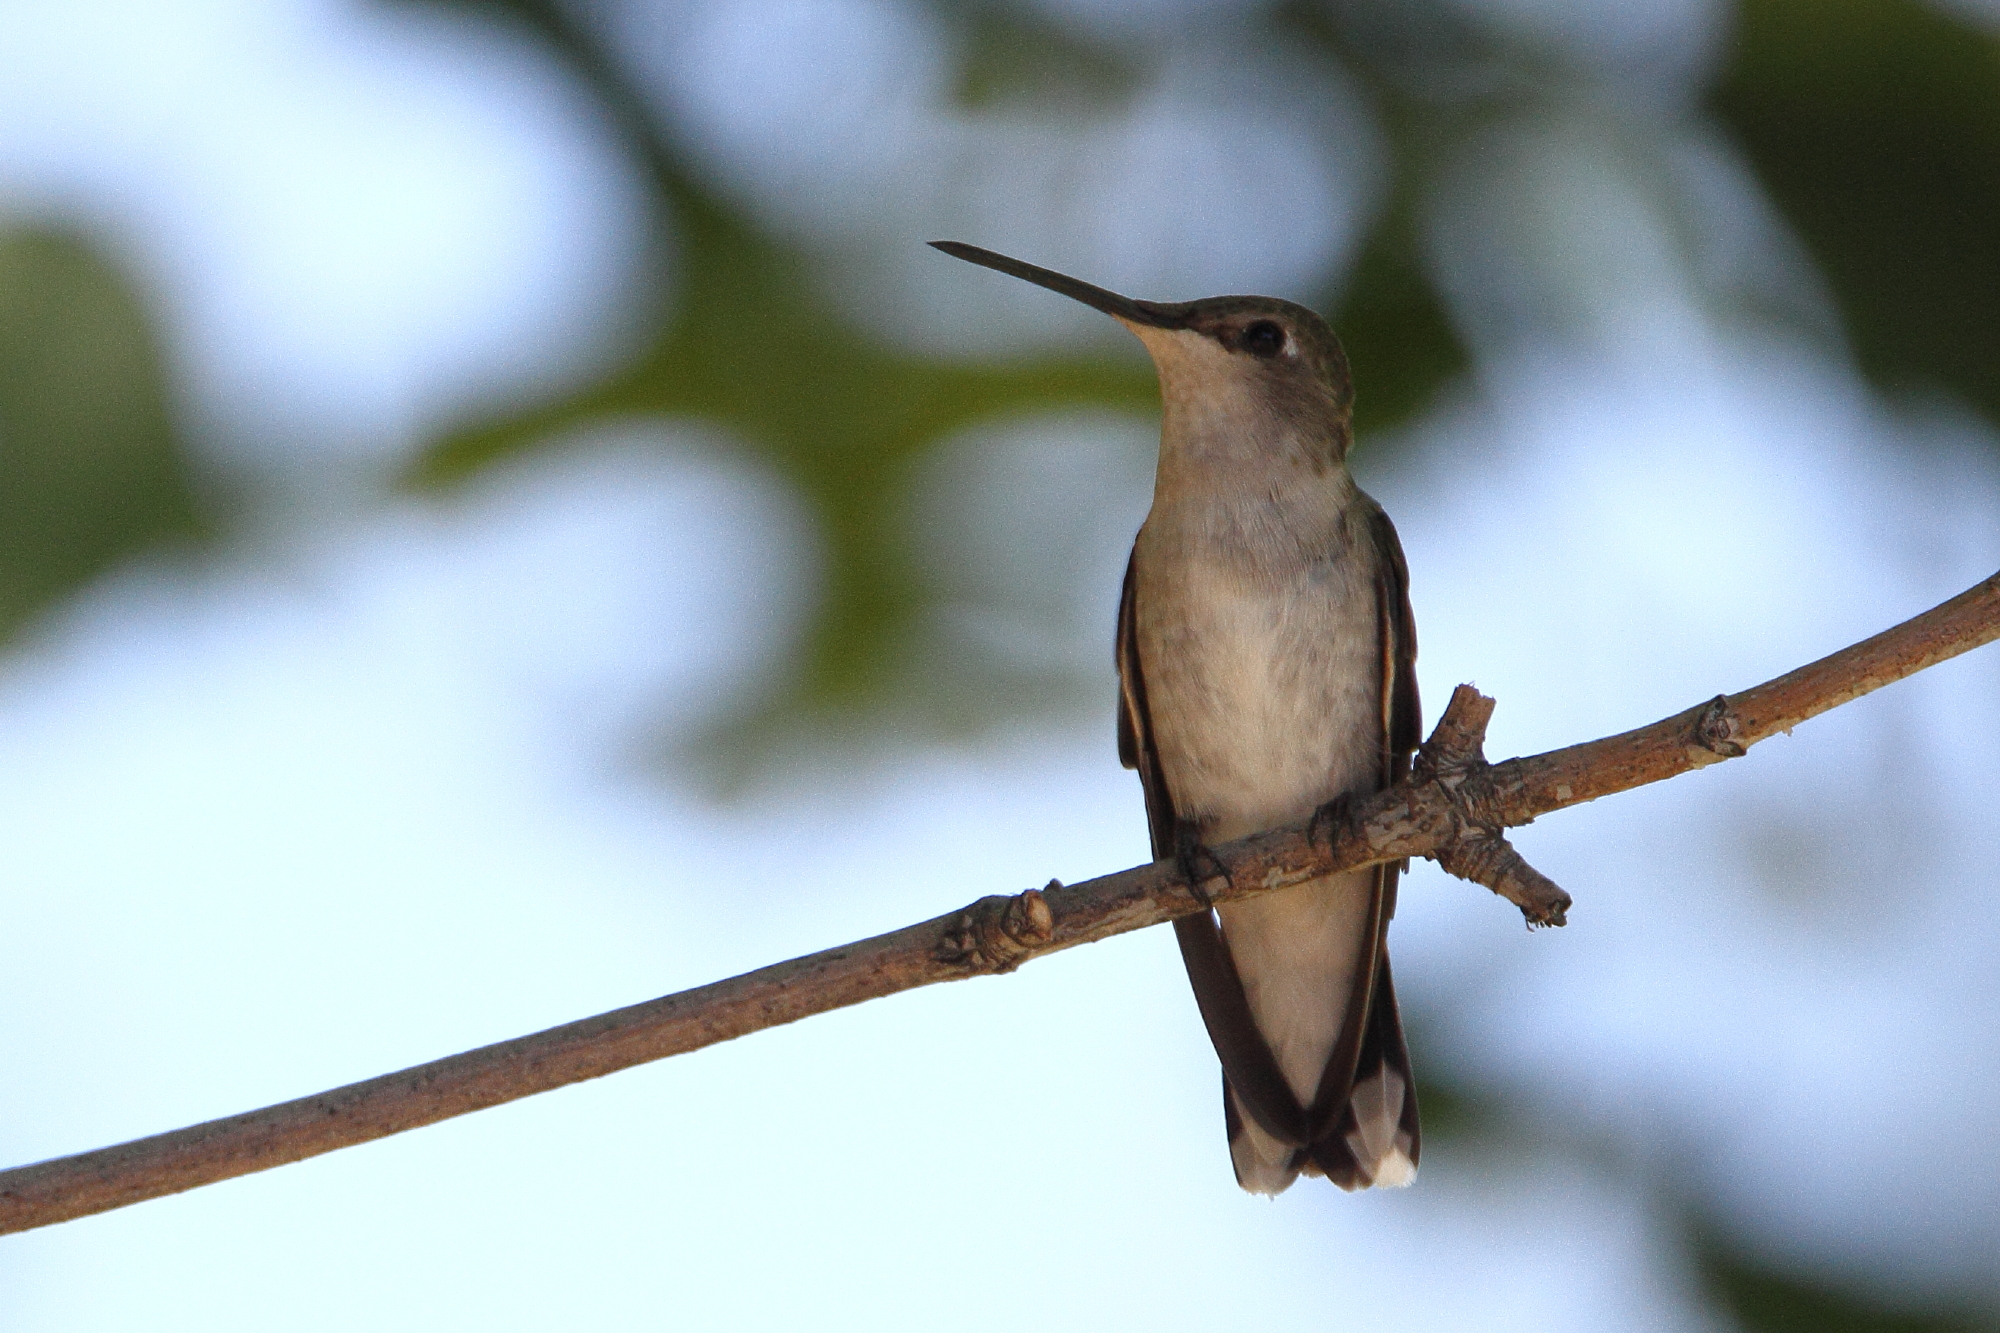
x=1265 y=692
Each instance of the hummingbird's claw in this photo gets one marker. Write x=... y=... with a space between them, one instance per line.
x=1198 y=864
x=1327 y=819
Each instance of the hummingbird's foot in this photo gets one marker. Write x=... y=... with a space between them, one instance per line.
x=1197 y=863
x=1327 y=820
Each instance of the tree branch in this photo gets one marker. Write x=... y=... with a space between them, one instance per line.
x=1452 y=811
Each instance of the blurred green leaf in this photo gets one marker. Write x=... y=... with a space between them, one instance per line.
x=90 y=469
x=1765 y=1300
x=751 y=347
x=1876 y=126
x=1017 y=57
x=1399 y=340
x=1457 y=1117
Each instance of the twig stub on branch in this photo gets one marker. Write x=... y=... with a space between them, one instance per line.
x=1455 y=759
x=998 y=934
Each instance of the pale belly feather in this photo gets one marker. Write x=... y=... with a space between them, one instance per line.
x=1262 y=710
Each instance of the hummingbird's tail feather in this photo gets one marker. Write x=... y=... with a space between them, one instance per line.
x=1313 y=982
x=1377 y=1141
x=1263 y=1165
x=1296 y=999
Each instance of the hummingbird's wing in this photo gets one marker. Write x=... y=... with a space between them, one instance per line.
x=1364 y=1109
x=1135 y=724
x=1402 y=710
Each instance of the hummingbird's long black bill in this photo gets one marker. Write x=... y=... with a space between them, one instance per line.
x=1154 y=314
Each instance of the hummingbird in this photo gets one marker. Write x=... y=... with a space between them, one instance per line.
x=1266 y=658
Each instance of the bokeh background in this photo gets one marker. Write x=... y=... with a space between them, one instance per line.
x=501 y=517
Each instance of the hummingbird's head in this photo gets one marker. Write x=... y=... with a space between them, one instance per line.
x=1244 y=358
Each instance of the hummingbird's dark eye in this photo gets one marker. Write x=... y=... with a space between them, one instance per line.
x=1264 y=338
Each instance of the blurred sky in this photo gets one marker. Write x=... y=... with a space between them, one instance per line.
x=365 y=789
